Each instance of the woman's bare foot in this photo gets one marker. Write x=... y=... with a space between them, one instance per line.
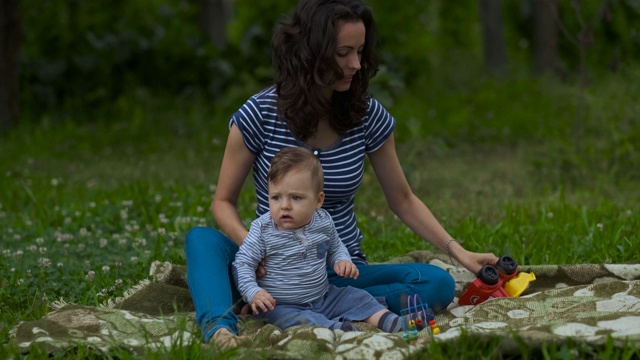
x=226 y=339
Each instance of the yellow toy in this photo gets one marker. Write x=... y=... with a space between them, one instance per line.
x=518 y=284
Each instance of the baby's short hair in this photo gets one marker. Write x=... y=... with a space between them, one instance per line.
x=296 y=158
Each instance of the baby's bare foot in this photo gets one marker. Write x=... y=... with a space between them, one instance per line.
x=226 y=339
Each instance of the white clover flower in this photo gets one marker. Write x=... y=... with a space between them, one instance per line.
x=6 y=252
x=28 y=222
x=127 y=202
x=103 y=242
x=92 y=204
x=39 y=241
x=199 y=209
x=59 y=264
x=20 y=281
x=105 y=269
x=118 y=263
x=162 y=231
x=119 y=282
x=549 y=215
x=67 y=220
x=32 y=248
x=54 y=182
x=213 y=188
x=134 y=259
x=83 y=232
x=18 y=253
x=43 y=250
x=122 y=242
x=17 y=236
x=600 y=226
x=91 y=275
x=44 y=262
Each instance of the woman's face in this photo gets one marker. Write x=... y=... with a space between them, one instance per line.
x=349 y=44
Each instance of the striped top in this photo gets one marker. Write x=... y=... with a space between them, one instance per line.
x=343 y=163
x=296 y=259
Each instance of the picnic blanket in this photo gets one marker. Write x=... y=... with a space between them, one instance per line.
x=585 y=302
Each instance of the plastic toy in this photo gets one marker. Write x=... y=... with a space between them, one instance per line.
x=519 y=284
x=416 y=317
x=501 y=280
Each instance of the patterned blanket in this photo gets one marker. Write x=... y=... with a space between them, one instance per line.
x=585 y=302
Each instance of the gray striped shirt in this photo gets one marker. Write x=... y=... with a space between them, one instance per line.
x=296 y=259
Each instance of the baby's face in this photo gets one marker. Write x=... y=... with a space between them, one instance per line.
x=293 y=200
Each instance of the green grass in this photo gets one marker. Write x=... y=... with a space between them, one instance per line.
x=90 y=199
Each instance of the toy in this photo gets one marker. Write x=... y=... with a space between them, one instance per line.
x=501 y=280
x=416 y=317
x=518 y=284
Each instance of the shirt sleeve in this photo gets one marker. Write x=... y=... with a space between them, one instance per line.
x=337 y=250
x=249 y=120
x=379 y=125
x=247 y=258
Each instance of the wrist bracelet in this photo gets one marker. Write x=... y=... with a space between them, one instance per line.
x=448 y=251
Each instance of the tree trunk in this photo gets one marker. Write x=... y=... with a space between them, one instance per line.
x=213 y=17
x=495 y=52
x=545 y=36
x=11 y=35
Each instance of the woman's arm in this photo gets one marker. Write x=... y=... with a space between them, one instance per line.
x=236 y=164
x=413 y=212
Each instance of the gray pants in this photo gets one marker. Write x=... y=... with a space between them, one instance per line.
x=338 y=304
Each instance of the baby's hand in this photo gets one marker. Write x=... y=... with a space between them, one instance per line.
x=262 y=301
x=347 y=269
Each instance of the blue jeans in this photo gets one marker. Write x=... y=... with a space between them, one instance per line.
x=210 y=255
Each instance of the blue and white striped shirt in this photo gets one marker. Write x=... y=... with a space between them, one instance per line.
x=265 y=134
x=296 y=259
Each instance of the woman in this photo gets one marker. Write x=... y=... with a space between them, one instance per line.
x=323 y=59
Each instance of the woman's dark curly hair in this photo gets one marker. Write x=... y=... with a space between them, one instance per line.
x=304 y=47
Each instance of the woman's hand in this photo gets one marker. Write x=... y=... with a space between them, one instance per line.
x=475 y=261
x=260 y=270
x=262 y=300
x=347 y=269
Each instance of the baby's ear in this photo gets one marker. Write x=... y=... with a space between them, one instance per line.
x=320 y=200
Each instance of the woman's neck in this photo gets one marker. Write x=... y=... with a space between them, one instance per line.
x=324 y=137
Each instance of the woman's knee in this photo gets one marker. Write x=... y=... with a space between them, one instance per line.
x=436 y=286
x=205 y=239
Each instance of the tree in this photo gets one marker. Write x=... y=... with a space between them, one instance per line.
x=495 y=52
x=545 y=35
x=213 y=17
x=11 y=36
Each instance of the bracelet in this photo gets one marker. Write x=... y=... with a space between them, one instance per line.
x=448 y=251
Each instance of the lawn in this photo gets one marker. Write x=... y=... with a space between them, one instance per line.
x=543 y=171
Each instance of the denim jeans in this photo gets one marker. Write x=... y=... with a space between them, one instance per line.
x=210 y=255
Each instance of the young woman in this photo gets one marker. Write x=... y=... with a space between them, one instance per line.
x=323 y=58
